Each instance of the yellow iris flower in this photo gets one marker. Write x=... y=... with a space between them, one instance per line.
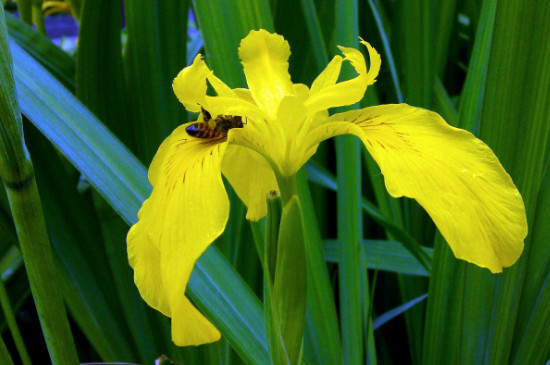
x=452 y=174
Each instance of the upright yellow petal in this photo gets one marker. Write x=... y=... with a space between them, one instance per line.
x=190 y=88
x=251 y=177
x=453 y=175
x=328 y=77
x=190 y=84
x=326 y=93
x=186 y=212
x=265 y=60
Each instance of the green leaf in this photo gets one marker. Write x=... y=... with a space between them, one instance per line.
x=322 y=335
x=153 y=57
x=487 y=312
x=353 y=284
x=273 y=223
x=99 y=70
x=531 y=342
x=382 y=255
x=53 y=58
x=273 y=317
x=391 y=314
x=77 y=243
x=223 y=24
x=377 y=11
x=323 y=177
x=290 y=284
x=100 y=86
x=445 y=19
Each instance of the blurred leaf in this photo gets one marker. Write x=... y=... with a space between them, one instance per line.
x=223 y=24
x=57 y=62
x=377 y=13
x=153 y=57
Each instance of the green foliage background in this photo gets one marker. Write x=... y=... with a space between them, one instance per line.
x=94 y=121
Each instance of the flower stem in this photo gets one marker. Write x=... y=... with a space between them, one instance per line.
x=38 y=16
x=25 y=10
x=273 y=223
x=17 y=173
x=287 y=187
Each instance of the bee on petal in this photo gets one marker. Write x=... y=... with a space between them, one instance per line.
x=214 y=128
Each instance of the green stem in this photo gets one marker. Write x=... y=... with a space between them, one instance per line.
x=17 y=173
x=76 y=8
x=37 y=254
x=273 y=223
x=25 y=10
x=38 y=16
x=12 y=325
x=287 y=186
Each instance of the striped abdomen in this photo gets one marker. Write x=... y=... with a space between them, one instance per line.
x=202 y=130
x=214 y=129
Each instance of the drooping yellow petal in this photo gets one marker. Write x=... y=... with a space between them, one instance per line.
x=186 y=212
x=453 y=175
x=265 y=60
x=144 y=257
x=326 y=93
x=190 y=327
x=251 y=177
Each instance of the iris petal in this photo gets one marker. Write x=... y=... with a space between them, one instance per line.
x=265 y=60
x=326 y=94
x=251 y=177
x=453 y=175
x=190 y=84
x=186 y=212
x=328 y=77
x=190 y=327
x=190 y=88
